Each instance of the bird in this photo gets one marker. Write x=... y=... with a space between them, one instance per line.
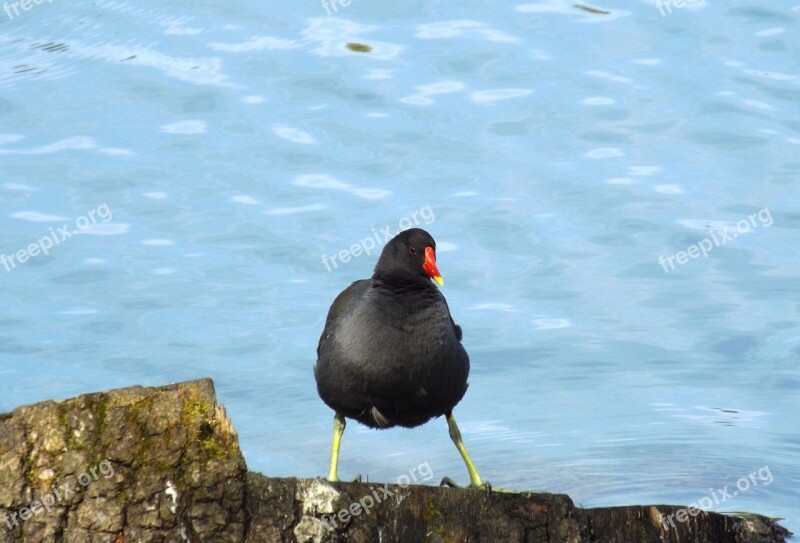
x=390 y=353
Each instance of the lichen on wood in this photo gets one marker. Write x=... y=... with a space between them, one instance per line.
x=157 y=465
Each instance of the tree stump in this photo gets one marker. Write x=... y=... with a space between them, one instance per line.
x=163 y=465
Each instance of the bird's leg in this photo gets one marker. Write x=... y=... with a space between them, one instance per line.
x=338 y=429
x=455 y=434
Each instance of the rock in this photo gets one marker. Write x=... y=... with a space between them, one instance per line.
x=164 y=465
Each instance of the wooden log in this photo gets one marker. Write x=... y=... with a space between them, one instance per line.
x=163 y=464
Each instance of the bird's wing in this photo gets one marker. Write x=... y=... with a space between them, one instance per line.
x=456 y=328
x=341 y=305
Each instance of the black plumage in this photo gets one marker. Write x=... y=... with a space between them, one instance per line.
x=390 y=353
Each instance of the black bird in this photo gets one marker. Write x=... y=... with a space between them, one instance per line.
x=390 y=353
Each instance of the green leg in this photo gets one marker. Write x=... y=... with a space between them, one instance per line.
x=338 y=429
x=455 y=434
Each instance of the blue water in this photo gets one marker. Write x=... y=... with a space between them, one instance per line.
x=209 y=158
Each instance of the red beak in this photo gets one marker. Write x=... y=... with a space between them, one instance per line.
x=429 y=266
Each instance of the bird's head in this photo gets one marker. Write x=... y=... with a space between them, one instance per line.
x=412 y=251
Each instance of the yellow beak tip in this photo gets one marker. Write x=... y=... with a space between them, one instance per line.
x=439 y=280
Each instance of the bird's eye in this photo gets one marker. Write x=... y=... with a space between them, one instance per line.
x=412 y=250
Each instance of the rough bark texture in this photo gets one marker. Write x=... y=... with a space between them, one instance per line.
x=159 y=464
x=314 y=510
x=164 y=465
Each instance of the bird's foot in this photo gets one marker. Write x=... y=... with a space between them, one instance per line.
x=482 y=485
x=335 y=479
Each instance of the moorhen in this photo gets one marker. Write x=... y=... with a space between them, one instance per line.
x=390 y=353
